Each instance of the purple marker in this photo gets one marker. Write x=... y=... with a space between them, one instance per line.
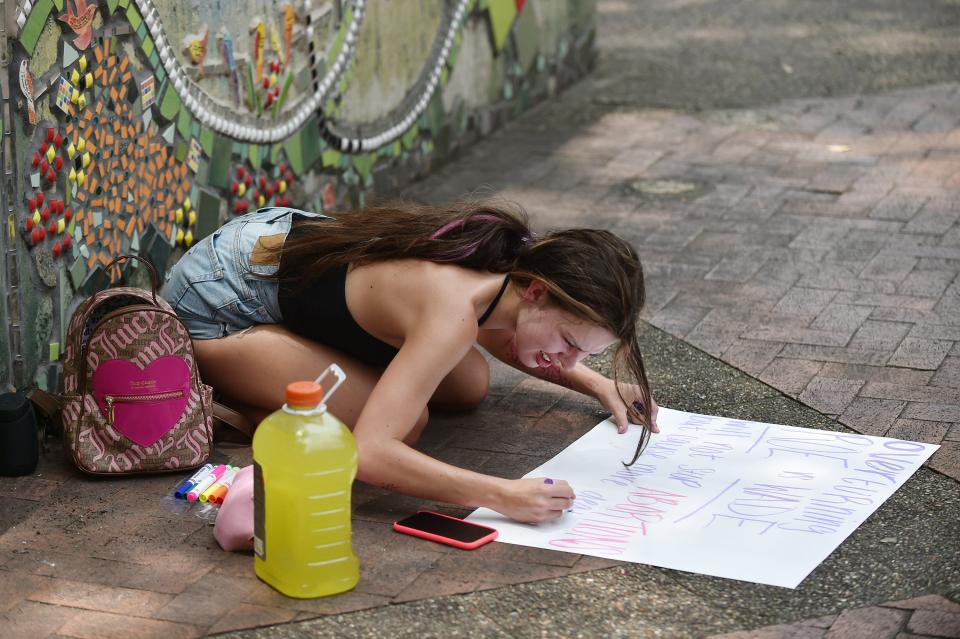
x=548 y=481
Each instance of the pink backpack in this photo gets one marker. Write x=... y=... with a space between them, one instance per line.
x=133 y=401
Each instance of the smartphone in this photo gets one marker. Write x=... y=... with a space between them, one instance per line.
x=444 y=529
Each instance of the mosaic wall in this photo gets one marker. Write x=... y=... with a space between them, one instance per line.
x=140 y=126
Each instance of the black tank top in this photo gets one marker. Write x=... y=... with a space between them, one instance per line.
x=320 y=313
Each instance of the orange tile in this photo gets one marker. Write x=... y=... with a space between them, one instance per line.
x=107 y=223
x=81 y=195
x=123 y=63
x=130 y=224
x=111 y=62
x=88 y=114
x=123 y=92
x=92 y=146
x=91 y=261
x=97 y=203
x=113 y=93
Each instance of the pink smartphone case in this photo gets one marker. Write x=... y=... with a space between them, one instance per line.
x=456 y=543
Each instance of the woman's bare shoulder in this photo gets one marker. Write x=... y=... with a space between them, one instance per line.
x=390 y=299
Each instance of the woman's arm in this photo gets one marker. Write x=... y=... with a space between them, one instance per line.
x=429 y=352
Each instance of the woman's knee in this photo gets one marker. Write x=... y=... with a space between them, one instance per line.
x=466 y=386
x=478 y=383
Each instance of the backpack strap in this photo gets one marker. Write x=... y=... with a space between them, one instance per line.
x=233 y=419
x=154 y=278
x=48 y=405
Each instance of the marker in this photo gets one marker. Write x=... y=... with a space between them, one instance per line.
x=224 y=488
x=184 y=488
x=548 y=481
x=228 y=475
x=206 y=482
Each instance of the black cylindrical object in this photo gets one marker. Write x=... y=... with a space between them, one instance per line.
x=19 y=442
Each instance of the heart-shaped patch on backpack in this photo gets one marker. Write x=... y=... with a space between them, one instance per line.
x=143 y=404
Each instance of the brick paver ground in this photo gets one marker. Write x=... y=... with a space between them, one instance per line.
x=817 y=249
x=927 y=616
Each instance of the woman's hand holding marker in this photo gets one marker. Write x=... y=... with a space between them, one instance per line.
x=536 y=500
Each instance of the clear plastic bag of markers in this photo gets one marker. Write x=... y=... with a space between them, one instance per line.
x=201 y=494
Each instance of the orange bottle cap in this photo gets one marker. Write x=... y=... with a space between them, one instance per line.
x=304 y=393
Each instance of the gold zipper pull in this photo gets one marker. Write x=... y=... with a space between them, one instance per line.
x=109 y=400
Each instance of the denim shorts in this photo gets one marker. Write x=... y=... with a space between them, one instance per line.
x=222 y=285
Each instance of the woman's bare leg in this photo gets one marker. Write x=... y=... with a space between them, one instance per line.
x=465 y=386
x=254 y=367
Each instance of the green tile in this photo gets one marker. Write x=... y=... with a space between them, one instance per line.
x=124 y=4
x=54 y=351
x=341 y=35
x=208 y=215
x=159 y=252
x=33 y=27
x=133 y=17
x=147 y=45
x=112 y=5
x=363 y=163
x=410 y=136
x=155 y=60
x=184 y=122
x=78 y=270
x=195 y=129
x=206 y=141
x=502 y=13
x=142 y=31
x=283 y=94
x=330 y=158
x=292 y=148
x=311 y=145
x=95 y=280
x=58 y=4
x=240 y=149
x=181 y=153
x=170 y=102
x=254 y=156
x=220 y=162
x=525 y=34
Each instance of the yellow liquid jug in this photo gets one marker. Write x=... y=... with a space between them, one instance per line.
x=305 y=460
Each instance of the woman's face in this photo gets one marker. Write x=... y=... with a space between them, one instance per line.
x=548 y=336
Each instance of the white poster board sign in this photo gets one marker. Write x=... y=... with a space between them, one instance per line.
x=717 y=496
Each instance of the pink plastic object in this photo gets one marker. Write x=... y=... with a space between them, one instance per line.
x=234 y=527
x=142 y=404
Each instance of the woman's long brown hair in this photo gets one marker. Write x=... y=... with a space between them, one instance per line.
x=591 y=273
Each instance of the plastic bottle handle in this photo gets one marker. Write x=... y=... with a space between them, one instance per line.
x=337 y=372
